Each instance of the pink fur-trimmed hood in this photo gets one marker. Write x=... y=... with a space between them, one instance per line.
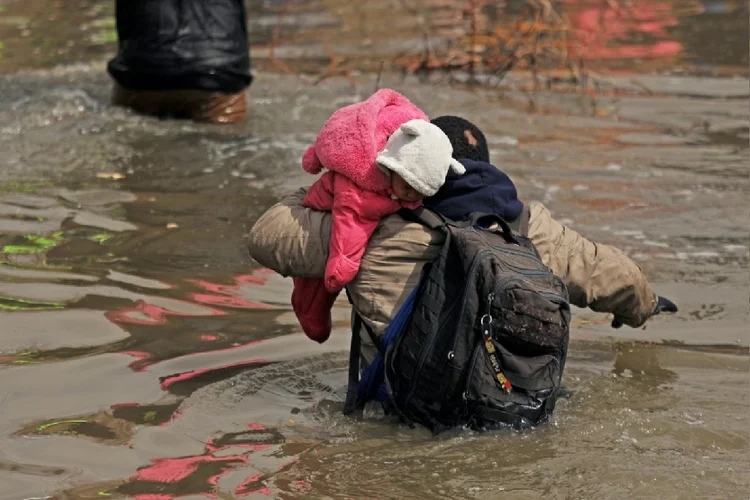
x=351 y=139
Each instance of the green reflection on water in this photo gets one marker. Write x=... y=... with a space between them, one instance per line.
x=44 y=427
x=35 y=244
x=15 y=304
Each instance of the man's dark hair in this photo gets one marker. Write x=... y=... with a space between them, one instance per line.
x=467 y=140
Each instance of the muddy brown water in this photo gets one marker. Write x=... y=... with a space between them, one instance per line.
x=144 y=355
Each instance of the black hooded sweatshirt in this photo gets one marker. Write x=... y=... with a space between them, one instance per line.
x=483 y=188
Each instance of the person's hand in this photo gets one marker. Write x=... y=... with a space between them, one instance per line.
x=616 y=322
x=663 y=304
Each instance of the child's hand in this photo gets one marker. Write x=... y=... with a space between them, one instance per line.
x=340 y=271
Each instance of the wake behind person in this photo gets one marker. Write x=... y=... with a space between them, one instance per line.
x=182 y=58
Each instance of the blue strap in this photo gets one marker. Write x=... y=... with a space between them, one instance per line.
x=372 y=382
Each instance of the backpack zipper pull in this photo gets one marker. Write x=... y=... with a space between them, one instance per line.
x=485 y=323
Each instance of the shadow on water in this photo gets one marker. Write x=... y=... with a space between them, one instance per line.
x=144 y=355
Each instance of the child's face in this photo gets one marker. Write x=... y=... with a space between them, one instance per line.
x=403 y=190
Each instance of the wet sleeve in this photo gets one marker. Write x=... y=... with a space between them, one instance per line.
x=291 y=239
x=598 y=276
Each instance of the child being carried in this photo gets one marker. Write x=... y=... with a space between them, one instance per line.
x=382 y=154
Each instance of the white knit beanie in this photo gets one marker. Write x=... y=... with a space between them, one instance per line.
x=420 y=153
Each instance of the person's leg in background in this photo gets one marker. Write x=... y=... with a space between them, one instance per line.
x=203 y=77
x=198 y=105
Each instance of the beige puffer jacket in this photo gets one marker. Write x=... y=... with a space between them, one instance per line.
x=293 y=241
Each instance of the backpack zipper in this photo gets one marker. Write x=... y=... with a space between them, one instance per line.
x=521 y=253
x=537 y=272
x=528 y=255
x=553 y=297
x=434 y=334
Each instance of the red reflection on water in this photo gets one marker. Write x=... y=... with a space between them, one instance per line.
x=167 y=382
x=258 y=483
x=174 y=470
x=228 y=301
x=254 y=278
x=263 y=270
x=143 y=313
x=123 y=405
x=302 y=485
x=606 y=30
x=250 y=486
x=143 y=362
x=227 y=295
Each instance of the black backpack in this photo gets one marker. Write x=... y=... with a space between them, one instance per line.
x=486 y=340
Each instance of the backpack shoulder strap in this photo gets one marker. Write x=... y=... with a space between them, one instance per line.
x=434 y=220
x=350 y=405
x=424 y=216
x=372 y=379
x=521 y=224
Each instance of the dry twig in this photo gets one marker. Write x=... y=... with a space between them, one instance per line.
x=335 y=67
x=536 y=41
